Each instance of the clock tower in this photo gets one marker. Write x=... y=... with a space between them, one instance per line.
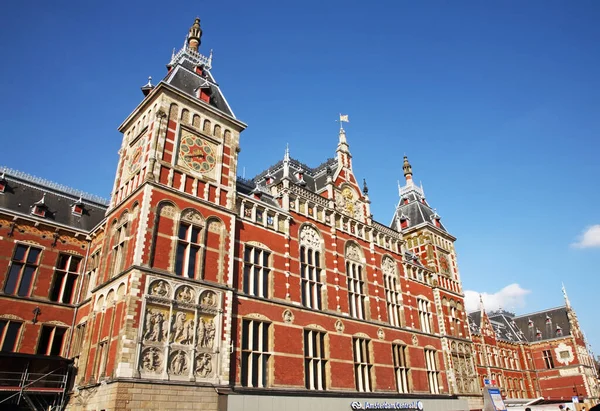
x=162 y=302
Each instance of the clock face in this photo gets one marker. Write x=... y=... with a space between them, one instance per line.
x=134 y=156
x=197 y=154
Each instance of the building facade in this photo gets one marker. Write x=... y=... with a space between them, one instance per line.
x=194 y=289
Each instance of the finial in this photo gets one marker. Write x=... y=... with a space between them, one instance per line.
x=365 y=188
x=286 y=156
x=407 y=169
x=173 y=55
x=342 y=136
x=210 y=56
x=567 y=302
x=194 y=35
x=148 y=87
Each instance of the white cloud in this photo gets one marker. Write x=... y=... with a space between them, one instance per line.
x=509 y=298
x=589 y=238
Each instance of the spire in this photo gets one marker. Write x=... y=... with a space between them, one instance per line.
x=365 y=188
x=194 y=35
x=407 y=170
x=567 y=302
x=286 y=161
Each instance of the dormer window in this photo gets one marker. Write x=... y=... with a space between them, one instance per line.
x=559 y=331
x=404 y=221
x=39 y=209
x=2 y=183
x=530 y=324
x=77 y=208
x=548 y=320
x=538 y=335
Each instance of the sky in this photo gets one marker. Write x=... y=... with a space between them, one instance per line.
x=495 y=103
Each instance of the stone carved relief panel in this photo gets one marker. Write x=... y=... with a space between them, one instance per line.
x=180 y=332
x=353 y=252
x=310 y=237
x=348 y=203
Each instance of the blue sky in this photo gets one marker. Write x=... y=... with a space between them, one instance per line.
x=495 y=103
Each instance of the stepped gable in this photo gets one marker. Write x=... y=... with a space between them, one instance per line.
x=544 y=325
x=55 y=203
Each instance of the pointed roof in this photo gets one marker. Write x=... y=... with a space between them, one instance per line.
x=190 y=72
x=413 y=205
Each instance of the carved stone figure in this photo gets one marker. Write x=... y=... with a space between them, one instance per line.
x=208 y=298
x=288 y=317
x=309 y=237
x=185 y=294
x=415 y=339
x=353 y=252
x=388 y=267
x=339 y=326
x=181 y=330
x=154 y=326
x=160 y=288
x=380 y=334
x=204 y=365
x=209 y=334
x=152 y=359
x=178 y=363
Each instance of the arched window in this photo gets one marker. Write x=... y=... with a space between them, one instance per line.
x=392 y=291
x=187 y=257
x=356 y=281
x=310 y=267
x=118 y=244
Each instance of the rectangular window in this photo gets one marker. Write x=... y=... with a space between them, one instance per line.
x=310 y=271
x=400 y=367
x=119 y=249
x=314 y=359
x=432 y=372
x=356 y=290
x=23 y=267
x=51 y=340
x=255 y=353
x=9 y=335
x=66 y=275
x=101 y=362
x=90 y=278
x=392 y=297
x=187 y=260
x=78 y=338
x=424 y=315
x=548 y=360
x=362 y=364
x=256 y=271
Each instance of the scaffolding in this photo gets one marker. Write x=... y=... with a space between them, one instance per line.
x=33 y=382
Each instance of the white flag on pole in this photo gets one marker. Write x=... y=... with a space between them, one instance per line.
x=344 y=118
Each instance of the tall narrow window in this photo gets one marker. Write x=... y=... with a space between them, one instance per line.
x=314 y=359
x=424 y=315
x=101 y=361
x=66 y=275
x=400 y=367
x=256 y=271
x=548 y=360
x=24 y=264
x=90 y=278
x=188 y=250
x=51 y=340
x=356 y=282
x=432 y=372
x=255 y=353
x=310 y=268
x=78 y=338
x=392 y=291
x=9 y=335
x=118 y=249
x=362 y=364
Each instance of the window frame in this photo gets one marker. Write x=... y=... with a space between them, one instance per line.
x=401 y=367
x=363 y=364
x=548 y=359
x=425 y=316
x=50 y=343
x=251 y=355
x=66 y=274
x=24 y=263
x=4 y=332
x=118 y=248
x=356 y=289
x=184 y=247
x=311 y=277
x=315 y=359
x=432 y=371
x=256 y=275
x=393 y=294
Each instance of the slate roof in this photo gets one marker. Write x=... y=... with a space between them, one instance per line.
x=314 y=179
x=184 y=77
x=417 y=209
x=509 y=327
x=23 y=191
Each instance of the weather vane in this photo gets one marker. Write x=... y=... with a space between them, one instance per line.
x=343 y=119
